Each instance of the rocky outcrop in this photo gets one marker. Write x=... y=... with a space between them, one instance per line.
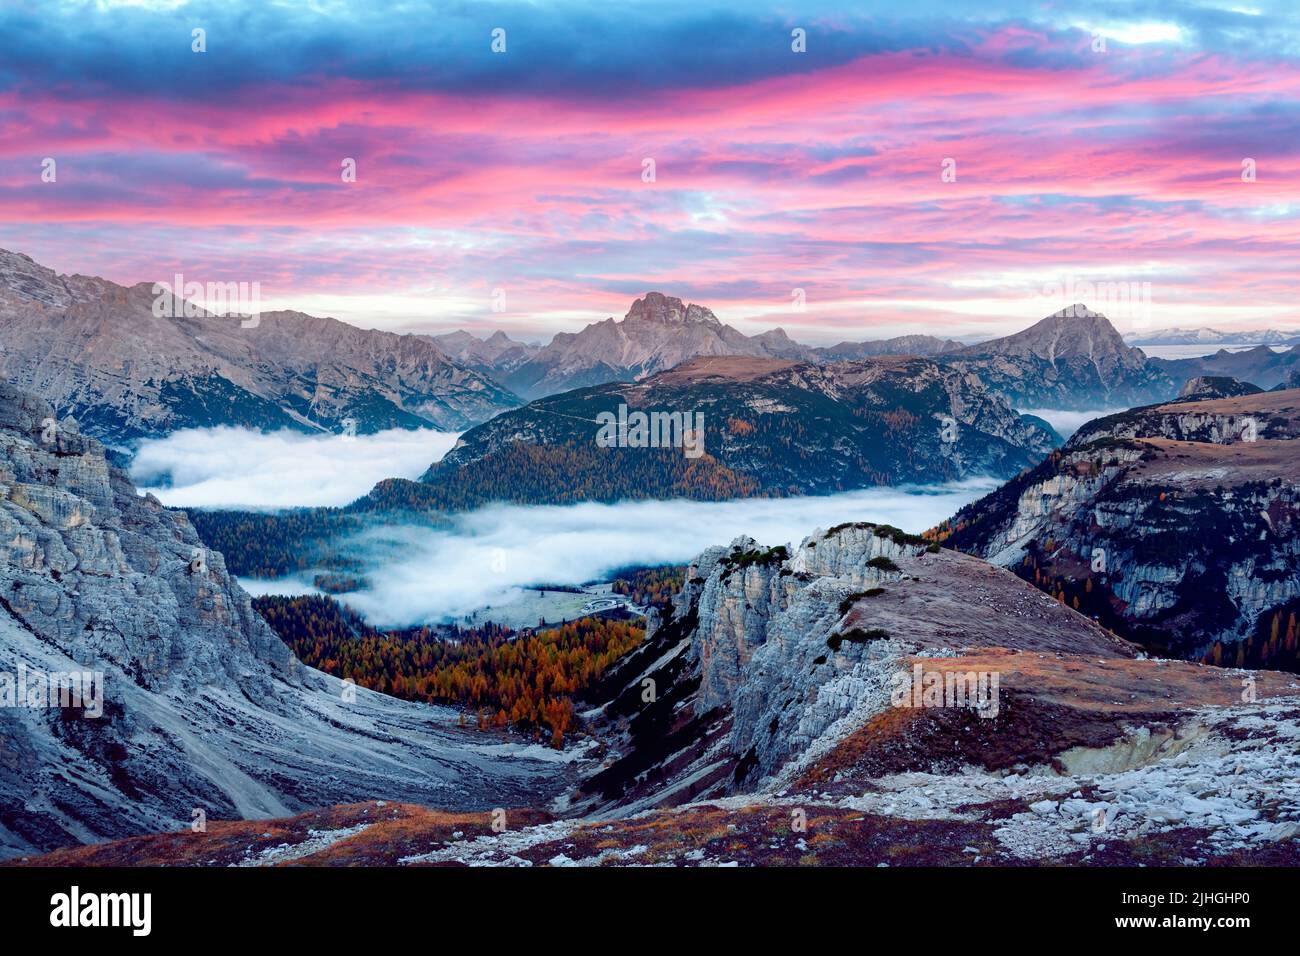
x=1178 y=525
x=1215 y=386
x=99 y=352
x=1209 y=421
x=774 y=655
x=194 y=708
x=773 y=692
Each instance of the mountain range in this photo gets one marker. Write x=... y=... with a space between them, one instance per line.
x=1261 y=365
x=763 y=424
x=875 y=421
x=1073 y=359
x=1213 y=337
x=103 y=354
x=779 y=713
x=657 y=333
x=126 y=370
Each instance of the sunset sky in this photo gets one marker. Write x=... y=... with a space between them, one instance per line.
x=774 y=170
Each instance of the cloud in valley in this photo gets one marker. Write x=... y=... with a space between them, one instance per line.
x=421 y=574
x=240 y=468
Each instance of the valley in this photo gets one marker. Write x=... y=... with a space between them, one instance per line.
x=442 y=444
x=945 y=630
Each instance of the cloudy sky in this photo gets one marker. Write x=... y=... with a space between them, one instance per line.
x=1091 y=141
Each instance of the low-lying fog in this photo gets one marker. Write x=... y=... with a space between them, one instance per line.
x=421 y=574
x=418 y=574
x=241 y=468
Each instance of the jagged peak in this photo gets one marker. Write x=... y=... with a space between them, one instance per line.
x=1077 y=311
x=669 y=310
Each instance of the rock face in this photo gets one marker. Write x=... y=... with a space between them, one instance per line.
x=1178 y=525
x=1215 y=386
x=781 y=715
x=1073 y=359
x=786 y=682
x=876 y=422
x=96 y=351
x=203 y=708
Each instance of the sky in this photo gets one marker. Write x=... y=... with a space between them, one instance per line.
x=960 y=168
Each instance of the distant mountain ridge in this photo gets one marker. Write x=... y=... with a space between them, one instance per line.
x=1072 y=359
x=97 y=351
x=658 y=332
x=1213 y=337
x=495 y=356
x=869 y=423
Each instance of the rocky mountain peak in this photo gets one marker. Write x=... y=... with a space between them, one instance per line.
x=1074 y=333
x=22 y=279
x=1076 y=311
x=103 y=352
x=669 y=310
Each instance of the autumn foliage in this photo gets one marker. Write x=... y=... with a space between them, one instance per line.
x=525 y=681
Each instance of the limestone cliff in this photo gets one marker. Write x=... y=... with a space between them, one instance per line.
x=204 y=711
x=1175 y=524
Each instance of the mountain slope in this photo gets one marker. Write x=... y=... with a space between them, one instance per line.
x=203 y=707
x=1073 y=359
x=769 y=428
x=762 y=724
x=1178 y=525
x=1260 y=366
x=96 y=351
